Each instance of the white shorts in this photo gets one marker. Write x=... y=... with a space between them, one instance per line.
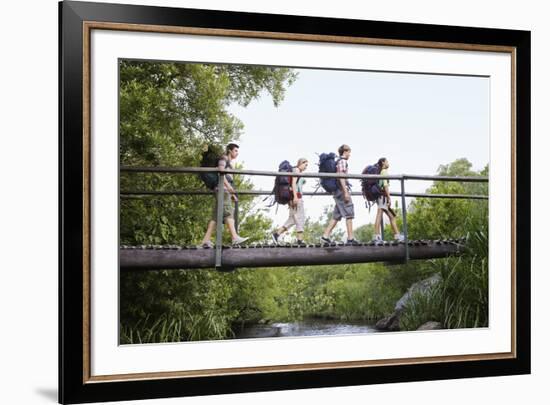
x=296 y=216
x=382 y=202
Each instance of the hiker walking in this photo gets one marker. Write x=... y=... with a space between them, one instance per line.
x=296 y=213
x=383 y=203
x=343 y=204
x=224 y=163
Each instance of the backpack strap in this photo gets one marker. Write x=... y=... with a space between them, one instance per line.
x=297 y=177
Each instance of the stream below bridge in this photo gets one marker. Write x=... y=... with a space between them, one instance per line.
x=308 y=327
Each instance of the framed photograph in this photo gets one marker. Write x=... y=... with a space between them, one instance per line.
x=254 y=202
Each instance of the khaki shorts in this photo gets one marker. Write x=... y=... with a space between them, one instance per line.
x=227 y=207
x=342 y=209
x=382 y=202
x=296 y=216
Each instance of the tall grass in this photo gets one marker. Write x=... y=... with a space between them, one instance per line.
x=460 y=299
x=175 y=328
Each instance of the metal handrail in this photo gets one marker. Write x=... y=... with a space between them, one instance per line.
x=164 y=169
x=220 y=190
x=150 y=193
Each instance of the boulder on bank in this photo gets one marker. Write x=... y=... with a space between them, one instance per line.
x=421 y=287
x=432 y=325
x=391 y=323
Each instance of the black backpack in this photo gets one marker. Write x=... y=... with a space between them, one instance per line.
x=210 y=158
x=282 y=189
x=370 y=187
x=327 y=164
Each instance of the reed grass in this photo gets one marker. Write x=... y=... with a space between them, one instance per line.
x=460 y=299
x=175 y=328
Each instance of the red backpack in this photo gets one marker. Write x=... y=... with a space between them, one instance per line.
x=282 y=189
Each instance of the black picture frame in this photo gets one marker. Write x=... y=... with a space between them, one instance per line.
x=74 y=383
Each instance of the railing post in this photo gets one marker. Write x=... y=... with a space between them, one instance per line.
x=219 y=219
x=236 y=216
x=404 y=208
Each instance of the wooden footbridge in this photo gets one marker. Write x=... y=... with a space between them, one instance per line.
x=270 y=255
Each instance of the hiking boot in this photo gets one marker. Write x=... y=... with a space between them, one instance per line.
x=275 y=238
x=353 y=242
x=325 y=240
x=208 y=245
x=399 y=237
x=300 y=242
x=239 y=240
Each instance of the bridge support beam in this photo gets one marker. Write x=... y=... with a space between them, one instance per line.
x=158 y=258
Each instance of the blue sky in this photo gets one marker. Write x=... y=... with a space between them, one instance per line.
x=417 y=121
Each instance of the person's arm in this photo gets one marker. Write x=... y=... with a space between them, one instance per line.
x=226 y=184
x=343 y=183
x=386 y=188
x=344 y=186
x=387 y=192
x=295 y=189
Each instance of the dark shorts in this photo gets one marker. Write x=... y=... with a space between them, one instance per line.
x=342 y=209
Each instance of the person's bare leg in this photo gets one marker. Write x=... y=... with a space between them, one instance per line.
x=330 y=227
x=300 y=235
x=209 y=230
x=349 y=227
x=230 y=223
x=378 y=222
x=281 y=230
x=393 y=223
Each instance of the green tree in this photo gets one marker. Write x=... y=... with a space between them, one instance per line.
x=168 y=113
x=167 y=109
x=313 y=230
x=434 y=218
x=364 y=233
x=460 y=300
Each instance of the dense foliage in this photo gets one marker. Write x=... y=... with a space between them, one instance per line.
x=169 y=112
x=460 y=300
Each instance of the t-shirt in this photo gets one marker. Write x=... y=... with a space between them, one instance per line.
x=300 y=182
x=342 y=167
x=383 y=182
x=224 y=161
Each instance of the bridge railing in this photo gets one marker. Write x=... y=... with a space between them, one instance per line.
x=220 y=191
